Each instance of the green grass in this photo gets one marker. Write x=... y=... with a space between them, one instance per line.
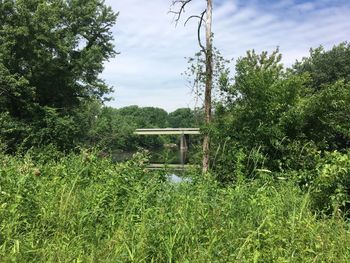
x=85 y=209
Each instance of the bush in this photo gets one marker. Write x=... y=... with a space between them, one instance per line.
x=84 y=208
x=330 y=190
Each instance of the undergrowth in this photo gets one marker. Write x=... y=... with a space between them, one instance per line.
x=83 y=208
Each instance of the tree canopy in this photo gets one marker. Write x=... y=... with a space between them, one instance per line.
x=281 y=115
x=51 y=55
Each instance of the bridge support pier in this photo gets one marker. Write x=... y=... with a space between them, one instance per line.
x=183 y=148
x=184 y=139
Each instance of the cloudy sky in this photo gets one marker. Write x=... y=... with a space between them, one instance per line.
x=152 y=49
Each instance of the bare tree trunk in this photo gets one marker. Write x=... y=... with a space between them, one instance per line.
x=208 y=50
x=208 y=84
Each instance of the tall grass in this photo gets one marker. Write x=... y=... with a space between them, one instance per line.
x=85 y=209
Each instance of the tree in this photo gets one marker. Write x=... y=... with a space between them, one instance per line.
x=323 y=117
x=280 y=116
x=113 y=129
x=182 y=118
x=326 y=67
x=208 y=51
x=326 y=112
x=255 y=118
x=51 y=55
x=264 y=93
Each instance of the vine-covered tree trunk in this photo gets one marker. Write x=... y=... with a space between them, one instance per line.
x=208 y=85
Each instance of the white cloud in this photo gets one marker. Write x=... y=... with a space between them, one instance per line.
x=305 y=7
x=148 y=70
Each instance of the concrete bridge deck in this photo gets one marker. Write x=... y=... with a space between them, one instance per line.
x=167 y=131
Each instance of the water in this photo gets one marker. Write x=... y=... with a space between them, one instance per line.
x=158 y=156
x=175 y=179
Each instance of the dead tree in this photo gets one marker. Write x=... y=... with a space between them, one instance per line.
x=208 y=51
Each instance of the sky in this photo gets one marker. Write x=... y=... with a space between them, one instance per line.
x=153 y=49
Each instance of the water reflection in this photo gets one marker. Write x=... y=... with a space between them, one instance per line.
x=173 y=178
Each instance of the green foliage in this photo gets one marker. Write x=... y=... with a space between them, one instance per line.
x=324 y=116
x=277 y=121
x=83 y=208
x=48 y=127
x=331 y=185
x=53 y=52
x=114 y=128
x=280 y=114
x=51 y=128
x=51 y=55
x=196 y=74
x=11 y=131
x=264 y=95
x=326 y=67
x=252 y=118
x=183 y=118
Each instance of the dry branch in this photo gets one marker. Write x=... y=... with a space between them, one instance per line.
x=179 y=13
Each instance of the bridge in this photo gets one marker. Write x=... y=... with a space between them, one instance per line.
x=167 y=131
x=183 y=132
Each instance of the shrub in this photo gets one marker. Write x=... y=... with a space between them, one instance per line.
x=331 y=185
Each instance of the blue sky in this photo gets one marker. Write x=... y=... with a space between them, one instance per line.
x=148 y=70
